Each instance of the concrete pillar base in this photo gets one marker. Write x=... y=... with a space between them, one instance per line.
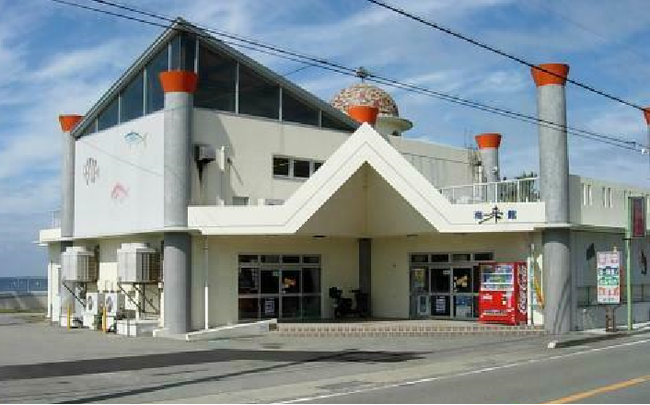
x=557 y=280
x=177 y=282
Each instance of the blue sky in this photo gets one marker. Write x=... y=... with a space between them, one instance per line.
x=57 y=59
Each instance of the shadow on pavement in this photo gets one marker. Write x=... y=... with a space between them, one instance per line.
x=129 y=363
x=285 y=359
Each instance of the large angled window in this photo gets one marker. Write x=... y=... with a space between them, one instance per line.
x=132 y=105
x=108 y=117
x=257 y=96
x=217 y=81
x=332 y=123
x=294 y=110
x=183 y=49
x=155 y=95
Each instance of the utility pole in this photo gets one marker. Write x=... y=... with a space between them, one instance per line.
x=628 y=261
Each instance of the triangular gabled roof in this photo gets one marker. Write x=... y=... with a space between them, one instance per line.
x=180 y=25
x=365 y=146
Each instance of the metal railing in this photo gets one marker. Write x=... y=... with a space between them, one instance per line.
x=22 y=284
x=588 y=295
x=517 y=190
x=56 y=219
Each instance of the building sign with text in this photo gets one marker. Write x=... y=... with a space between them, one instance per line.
x=608 y=277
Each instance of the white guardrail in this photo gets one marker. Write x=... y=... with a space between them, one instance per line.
x=517 y=190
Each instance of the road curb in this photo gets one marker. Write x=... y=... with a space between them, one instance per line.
x=560 y=344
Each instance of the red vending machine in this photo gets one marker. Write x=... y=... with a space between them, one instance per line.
x=503 y=293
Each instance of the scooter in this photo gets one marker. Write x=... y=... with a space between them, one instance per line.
x=343 y=306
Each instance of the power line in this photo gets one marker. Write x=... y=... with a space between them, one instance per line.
x=331 y=66
x=500 y=52
x=582 y=26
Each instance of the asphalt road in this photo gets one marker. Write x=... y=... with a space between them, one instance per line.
x=615 y=372
x=41 y=363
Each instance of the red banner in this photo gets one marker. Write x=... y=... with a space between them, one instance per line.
x=638 y=217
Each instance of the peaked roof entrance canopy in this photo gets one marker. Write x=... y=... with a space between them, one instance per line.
x=366 y=188
x=228 y=81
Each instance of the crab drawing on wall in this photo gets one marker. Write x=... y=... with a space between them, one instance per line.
x=119 y=193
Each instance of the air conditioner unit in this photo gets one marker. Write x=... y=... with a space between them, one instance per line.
x=94 y=303
x=138 y=263
x=114 y=303
x=79 y=265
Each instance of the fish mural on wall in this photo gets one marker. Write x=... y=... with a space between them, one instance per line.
x=135 y=139
x=91 y=171
x=119 y=193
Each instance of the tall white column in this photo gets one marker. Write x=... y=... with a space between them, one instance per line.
x=68 y=122
x=554 y=190
x=179 y=87
x=488 y=146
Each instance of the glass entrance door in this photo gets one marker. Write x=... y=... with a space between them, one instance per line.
x=440 y=292
x=463 y=292
x=286 y=287
x=419 y=292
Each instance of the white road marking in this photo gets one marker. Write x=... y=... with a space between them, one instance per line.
x=463 y=374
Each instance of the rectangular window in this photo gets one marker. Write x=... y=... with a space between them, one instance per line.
x=440 y=258
x=610 y=200
x=217 y=81
x=270 y=259
x=237 y=200
x=461 y=257
x=291 y=259
x=589 y=195
x=155 y=96
x=270 y=281
x=257 y=96
x=311 y=259
x=248 y=259
x=108 y=118
x=249 y=281
x=317 y=166
x=280 y=166
x=483 y=257
x=420 y=258
x=132 y=104
x=301 y=169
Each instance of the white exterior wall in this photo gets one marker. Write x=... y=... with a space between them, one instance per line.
x=339 y=268
x=442 y=165
x=390 y=262
x=125 y=195
x=251 y=142
x=595 y=211
x=54 y=281
x=584 y=276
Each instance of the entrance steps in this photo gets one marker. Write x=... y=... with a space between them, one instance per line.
x=420 y=328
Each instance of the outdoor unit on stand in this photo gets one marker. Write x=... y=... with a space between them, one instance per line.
x=138 y=267
x=114 y=304
x=503 y=293
x=79 y=268
x=94 y=309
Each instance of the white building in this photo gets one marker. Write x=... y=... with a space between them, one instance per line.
x=255 y=197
